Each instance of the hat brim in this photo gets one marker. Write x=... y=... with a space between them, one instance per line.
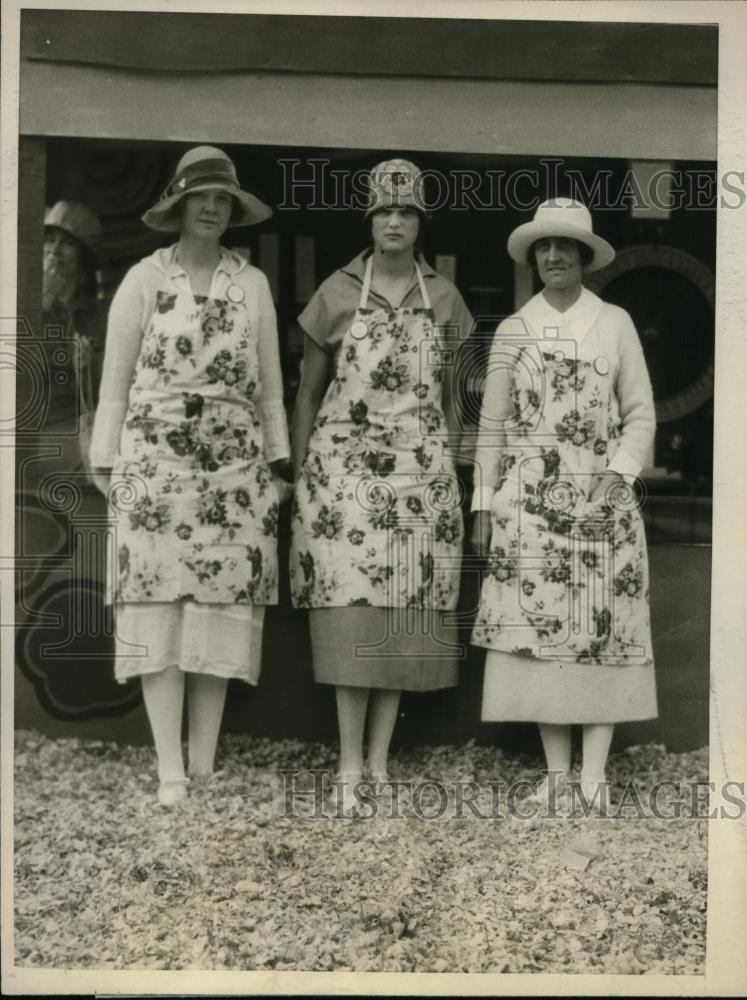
x=163 y=217
x=87 y=245
x=522 y=238
x=385 y=203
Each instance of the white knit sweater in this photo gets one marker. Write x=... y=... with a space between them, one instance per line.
x=130 y=311
x=633 y=402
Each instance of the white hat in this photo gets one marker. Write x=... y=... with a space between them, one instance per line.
x=560 y=217
x=200 y=169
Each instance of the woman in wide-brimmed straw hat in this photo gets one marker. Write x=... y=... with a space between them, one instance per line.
x=377 y=526
x=204 y=168
x=192 y=420
x=566 y=424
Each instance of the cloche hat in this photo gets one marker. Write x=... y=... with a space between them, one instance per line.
x=395 y=184
x=200 y=169
x=74 y=218
x=560 y=217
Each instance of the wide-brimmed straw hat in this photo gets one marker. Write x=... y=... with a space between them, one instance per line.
x=560 y=217
x=79 y=222
x=395 y=184
x=200 y=169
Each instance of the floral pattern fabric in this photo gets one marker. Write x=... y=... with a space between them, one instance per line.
x=197 y=507
x=376 y=517
x=564 y=579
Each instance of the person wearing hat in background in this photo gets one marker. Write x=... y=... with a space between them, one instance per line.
x=377 y=526
x=72 y=254
x=566 y=422
x=191 y=433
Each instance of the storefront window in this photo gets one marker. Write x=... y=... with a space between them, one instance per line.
x=663 y=273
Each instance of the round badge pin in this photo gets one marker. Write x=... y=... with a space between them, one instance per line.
x=602 y=365
x=558 y=356
x=359 y=329
x=235 y=294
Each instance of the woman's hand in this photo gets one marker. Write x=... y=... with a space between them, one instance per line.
x=602 y=484
x=316 y=372
x=282 y=475
x=481 y=532
x=282 y=467
x=102 y=478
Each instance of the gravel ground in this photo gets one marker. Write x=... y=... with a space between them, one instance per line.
x=106 y=879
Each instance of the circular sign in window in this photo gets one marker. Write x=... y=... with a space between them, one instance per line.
x=670 y=296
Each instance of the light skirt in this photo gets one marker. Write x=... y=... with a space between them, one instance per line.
x=224 y=640
x=526 y=689
x=393 y=648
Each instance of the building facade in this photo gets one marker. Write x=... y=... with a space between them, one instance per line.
x=502 y=114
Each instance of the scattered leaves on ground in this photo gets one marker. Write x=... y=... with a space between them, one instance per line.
x=105 y=878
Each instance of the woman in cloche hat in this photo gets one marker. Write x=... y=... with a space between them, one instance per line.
x=567 y=421
x=72 y=254
x=72 y=251
x=377 y=527
x=190 y=423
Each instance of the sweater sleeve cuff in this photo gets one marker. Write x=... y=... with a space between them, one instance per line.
x=624 y=464
x=275 y=430
x=481 y=498
x=107 y=430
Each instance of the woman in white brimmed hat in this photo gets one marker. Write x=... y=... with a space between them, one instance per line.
x=190 y=423
x=567 y=421
x=377 y=527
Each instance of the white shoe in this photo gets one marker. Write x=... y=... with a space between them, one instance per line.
x=205 y=782
x=546 y=797
x=171 y=793
x=596 y=795
x=377 y=779
x=348 y=800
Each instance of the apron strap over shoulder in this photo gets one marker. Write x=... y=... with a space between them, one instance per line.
x=367 y=284
x=423 y=290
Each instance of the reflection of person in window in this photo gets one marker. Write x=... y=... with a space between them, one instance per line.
x=72 y=235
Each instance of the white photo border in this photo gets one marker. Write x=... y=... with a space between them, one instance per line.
x=726 y=963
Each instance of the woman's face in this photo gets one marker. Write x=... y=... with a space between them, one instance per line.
x=395 y=229
x=62 y=255
x=206 y=214
x=558 y=262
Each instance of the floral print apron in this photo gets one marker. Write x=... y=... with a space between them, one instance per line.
x=197 y=506
x=565 y=579
x=377 y=518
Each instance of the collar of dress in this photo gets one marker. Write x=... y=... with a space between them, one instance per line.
x=357 y=267
x=574 y=322
x=230 y=262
